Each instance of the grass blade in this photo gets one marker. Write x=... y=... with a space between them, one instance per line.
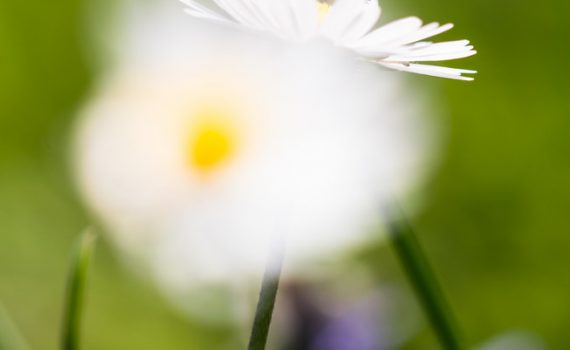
x=10 y=338
x=422 y=278
x=73 y=311
x=263 y=313
x=267 y=295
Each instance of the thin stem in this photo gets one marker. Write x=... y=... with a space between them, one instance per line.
x=422 y=277
x=267 y=296
x=74 y=300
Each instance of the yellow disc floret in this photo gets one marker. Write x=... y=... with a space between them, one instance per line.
x=211 y=143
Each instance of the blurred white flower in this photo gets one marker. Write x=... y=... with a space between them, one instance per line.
x=347 y=23
x=202 y=143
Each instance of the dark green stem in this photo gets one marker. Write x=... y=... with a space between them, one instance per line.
x=421 y=276
x=267 y=297
x=75 y=296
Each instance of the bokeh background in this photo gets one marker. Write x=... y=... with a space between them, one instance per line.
x=495 y=218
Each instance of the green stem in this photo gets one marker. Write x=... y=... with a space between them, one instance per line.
x=74 y=301
x=267 y=297
x=421 y=276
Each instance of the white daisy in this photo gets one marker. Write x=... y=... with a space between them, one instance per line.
x=202 y=143
x=347 y=23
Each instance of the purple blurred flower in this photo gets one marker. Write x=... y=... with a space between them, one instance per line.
x=336 y=325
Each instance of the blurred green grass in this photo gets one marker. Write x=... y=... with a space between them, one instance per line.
x=495 y=222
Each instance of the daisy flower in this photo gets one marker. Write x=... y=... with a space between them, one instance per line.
x=194 y=156
x=347 y=23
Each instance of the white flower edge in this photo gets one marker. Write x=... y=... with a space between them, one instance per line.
x=347 y=23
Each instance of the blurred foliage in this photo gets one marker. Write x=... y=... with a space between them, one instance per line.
x=495 y=220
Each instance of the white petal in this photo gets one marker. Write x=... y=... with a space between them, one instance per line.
x=436 y=52
x=201 y=15
x=419 y=45
x=446 y=46
x=434 y=57
x=264 y=16
x=424 y=32
x=197 y=9
x=436 y=71
x=304 y=12
x=349 y=20
x=282 y=13
x=394 y=30
x=241 y=12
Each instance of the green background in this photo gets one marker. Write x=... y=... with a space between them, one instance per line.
x=496 y=216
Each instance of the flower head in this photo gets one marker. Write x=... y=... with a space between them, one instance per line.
x=193 y=156
x=347 y=23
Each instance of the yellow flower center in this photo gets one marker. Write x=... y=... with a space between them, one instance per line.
x=323 y=8
x=212 y=141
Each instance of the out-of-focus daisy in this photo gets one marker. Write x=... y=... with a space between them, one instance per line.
x=347 y=23
x=202 y=143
